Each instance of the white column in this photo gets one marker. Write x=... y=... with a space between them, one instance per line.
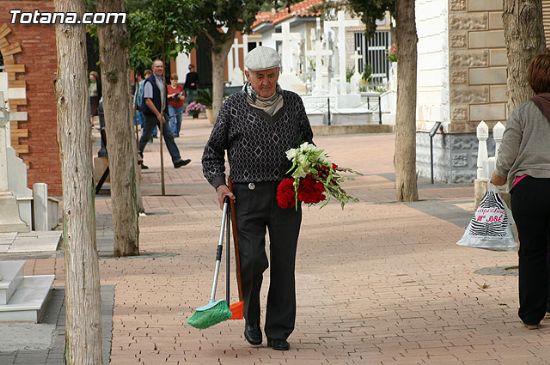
x=482 y=133
x=230 y=64
x=4 y=120
x=287 y=50
x=10 y=220
x=40 y=206
x=342 y=50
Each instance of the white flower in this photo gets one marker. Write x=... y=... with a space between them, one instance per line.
x=291 y=153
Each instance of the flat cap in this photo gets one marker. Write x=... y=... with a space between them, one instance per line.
x=262 y=58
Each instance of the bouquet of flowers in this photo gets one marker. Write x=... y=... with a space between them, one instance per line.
x=195 y=108
x=313 y=179
x=392 y=54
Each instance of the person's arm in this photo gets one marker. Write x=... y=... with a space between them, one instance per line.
x=509 y=149
x=182 y=95
x=213 y=158
x=153 y=108
x=195 y=81
x=174 y=91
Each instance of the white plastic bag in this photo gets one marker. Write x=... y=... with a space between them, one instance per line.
x=491 y=226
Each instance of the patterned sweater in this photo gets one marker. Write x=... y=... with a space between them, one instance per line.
x=256 y=143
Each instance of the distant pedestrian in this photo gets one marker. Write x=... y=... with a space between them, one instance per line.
x=138 y=101
x=154 y=110
x=191 y=84
x=524 y=162
x=94 y=92
x=176 y=99
x=138 y=98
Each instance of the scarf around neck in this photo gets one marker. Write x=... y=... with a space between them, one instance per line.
x=270 y=105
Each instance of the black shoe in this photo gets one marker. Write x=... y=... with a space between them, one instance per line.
x=532 y=326
x=279 y=345
x=180 y=163
x=144 y=167
x=253 y=335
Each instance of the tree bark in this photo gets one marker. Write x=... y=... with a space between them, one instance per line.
x=524 y=37
x=82 y=286
x=121 y=145
x=405 y=124
x=219 y=56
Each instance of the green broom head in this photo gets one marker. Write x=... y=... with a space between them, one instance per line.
x=210 y=315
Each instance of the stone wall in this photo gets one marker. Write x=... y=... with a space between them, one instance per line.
x=455 y=156
x=29 y=52
x=477 y=60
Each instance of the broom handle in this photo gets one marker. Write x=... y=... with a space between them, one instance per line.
x=227 y=256
x=236 y=242
x=219 y=251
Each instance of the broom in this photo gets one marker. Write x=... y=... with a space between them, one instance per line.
x=236 y=308
x=215 y=311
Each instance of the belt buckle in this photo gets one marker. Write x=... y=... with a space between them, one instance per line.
x=251 y=186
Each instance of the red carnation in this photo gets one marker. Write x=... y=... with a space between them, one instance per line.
x=323 y=171
x=286 y=197
x=310 y=190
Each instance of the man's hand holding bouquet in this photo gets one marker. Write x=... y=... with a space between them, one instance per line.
x=313 y=179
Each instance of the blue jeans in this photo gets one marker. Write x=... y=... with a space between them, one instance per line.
x=150 y=123
x=175 y=115
x=190 y=96
x=138 y=118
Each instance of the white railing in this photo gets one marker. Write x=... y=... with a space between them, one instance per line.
x=485 y=164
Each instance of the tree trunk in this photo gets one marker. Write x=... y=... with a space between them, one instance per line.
x=405 y=124
x=82 y=294
x=219 y=56
x=524 y=37
x=121 y=144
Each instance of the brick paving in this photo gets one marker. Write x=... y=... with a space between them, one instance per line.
x=378 y=283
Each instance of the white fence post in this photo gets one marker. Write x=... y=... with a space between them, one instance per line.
x=498 y=132
x=482 y=133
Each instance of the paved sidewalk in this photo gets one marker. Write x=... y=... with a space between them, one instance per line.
x=377 y=283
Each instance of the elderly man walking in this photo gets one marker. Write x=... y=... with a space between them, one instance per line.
x=257 y=126
x=154 y=109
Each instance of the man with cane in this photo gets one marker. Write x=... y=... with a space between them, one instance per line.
x=153 y=108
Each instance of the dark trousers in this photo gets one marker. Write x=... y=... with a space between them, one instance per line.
x=148 y=125
x=531 y=211
x=257 y=209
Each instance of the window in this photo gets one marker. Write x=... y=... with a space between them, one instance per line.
x=376 y=55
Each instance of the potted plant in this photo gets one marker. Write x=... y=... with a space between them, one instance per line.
x=204 y=96
x=194 y=108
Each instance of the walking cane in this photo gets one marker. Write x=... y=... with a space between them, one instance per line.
x=237 y=309
x=161 y=130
